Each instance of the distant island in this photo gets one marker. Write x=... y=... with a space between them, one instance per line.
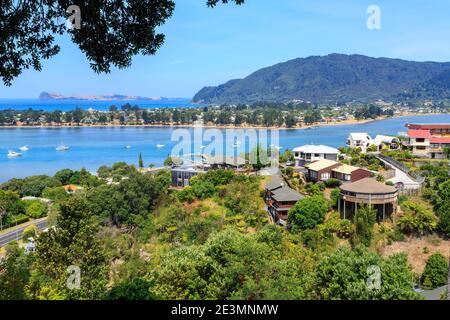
x=56 y=96
x=338 y=79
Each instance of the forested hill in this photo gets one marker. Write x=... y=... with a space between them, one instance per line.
x=332 y=78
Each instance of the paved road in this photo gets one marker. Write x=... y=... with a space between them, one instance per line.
x=402 y=177
x=17 y=233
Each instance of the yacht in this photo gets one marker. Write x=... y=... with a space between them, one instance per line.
x=24 y=148
x=127 y=147
x=62 y=147
x=160 y=146
x=13 y=154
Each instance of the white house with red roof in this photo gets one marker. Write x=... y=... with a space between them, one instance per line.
x=428 y=140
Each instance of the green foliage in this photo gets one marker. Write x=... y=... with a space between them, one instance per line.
x=15 y=273
x=10 y=204
x=313 y=188
x=64 y=176
x=72 y=242
x=135 y=289
x=334 y=197
x=333 y=183
x=345 y=274
x=416 y=219
x=55 y=194
x=308 y=213
x=31 y=186
x=364 y=220
x=141 y=161
x=287 y=155
x=36 y=210
x=30 y=232
x=436 y=272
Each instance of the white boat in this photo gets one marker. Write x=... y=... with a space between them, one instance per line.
x=62 y=147
x=13 y=154
x=24 y=148
x=202 y=147
x=127 y=147
x=160 y=146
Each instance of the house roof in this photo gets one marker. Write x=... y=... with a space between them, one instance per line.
x=311 y=148
x=346 y=169
x=235 y=161
x=419 y=134
x=275 y=183
x=286 y=194
x=368 y=186
x=440 y=140
x=386 y=139
x=428 y=126
x=363 y=136
x=72 y=187
x=321 y=164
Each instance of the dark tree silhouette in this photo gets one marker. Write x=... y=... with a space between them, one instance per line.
x=111 y=33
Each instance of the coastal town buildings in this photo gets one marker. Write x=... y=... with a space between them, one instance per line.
x=364 y=141
x=428 y=140
x=325 y=169
x=310 y=153
x=367 y=191
x=181 y=176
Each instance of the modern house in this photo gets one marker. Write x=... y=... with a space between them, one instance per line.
x=320 y=170
x=346 y=173
x=360 y=140
x=310 y=153
x=367 y=191
x=428 y=140
x=364 y=141
x=280 y=198
x=224 y=162
x=325 y=169
x=181 y=176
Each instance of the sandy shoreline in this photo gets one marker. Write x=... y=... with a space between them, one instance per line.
x=212 y=126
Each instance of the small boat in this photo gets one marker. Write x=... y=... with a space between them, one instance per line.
x=24 y=148
x=160 y=146
x=62 y=147
x=202 y=147
x=13 y=154
x=127 y=147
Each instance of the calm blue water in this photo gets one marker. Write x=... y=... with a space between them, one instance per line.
x=92 y=147
x=66 y=105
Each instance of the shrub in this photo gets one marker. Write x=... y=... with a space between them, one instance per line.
x=334 y=197
x=333 y=183
x=308 y=212
x=417 y=219
x=436 y=271
x=36 y=210
x=321 y=185
x=29 y=232
x=56 y=193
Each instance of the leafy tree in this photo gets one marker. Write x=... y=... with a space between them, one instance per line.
x=31 y=186
x=10 y=203
x=436 y=271
x=135 y=289
x=105 y=37
x=56 y=193
x=416 y=219
x=345 y=275
x=64 y=176
x=141 y=161
x=36 y=210
x=15 y=273
x=364 y=220
x=72 y=243
x=30 y=232
x=308 y=213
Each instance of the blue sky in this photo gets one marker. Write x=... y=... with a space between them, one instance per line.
x=210 y=46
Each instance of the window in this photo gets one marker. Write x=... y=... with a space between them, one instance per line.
x=347 y=177
x=325 y=176
x=316 y=155
x=421 y=148
x=420 y=140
